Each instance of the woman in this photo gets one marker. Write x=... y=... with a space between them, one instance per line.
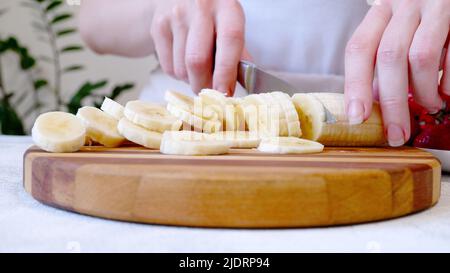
x=311 y=43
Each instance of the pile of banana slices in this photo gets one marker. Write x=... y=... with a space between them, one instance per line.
x=211 y=124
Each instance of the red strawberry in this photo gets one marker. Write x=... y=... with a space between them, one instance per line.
x=415 y=108
x=435 y=137
x=415 y=128
x=446 y=120
x=426 y=120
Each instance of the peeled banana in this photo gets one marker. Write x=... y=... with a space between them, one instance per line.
x=58 y=132
x=191 y=143
x=199 y=123
x=271 y=114
x=100 y=127
x=219 y=123
x=310 y=108
x=139 y=135
x=289 y=145
x=225 y=108
x=112 y=108
x=151 y=116
x=239 y=139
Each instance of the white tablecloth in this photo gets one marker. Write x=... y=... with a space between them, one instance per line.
x=28 y=226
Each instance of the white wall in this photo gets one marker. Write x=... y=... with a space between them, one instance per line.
x=17 y=22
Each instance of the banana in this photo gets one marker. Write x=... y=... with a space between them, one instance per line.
x=310 y=108
x=89 y=142
x=264 y=115
x=275 y=112
x=207 y=126
x=100 y=127
x=112 y=108
x=239 y=139
x=151 y=116
x=290 y=113
x=205 y=111
x=179 y=100
x=225 y=107
x=191 y=143
x=139 y=135
x=289 y=145
x=58 y=132
x=240 y=113
x=191 y=105
x=214 y=97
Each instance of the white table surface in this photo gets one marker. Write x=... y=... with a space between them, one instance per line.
x=28 y=226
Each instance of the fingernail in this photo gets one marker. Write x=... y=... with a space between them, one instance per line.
x=355 y=112
x=396 y=137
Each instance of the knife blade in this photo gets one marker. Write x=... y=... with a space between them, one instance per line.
x=256 y=80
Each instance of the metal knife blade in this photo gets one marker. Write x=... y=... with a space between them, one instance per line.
x=255 y=81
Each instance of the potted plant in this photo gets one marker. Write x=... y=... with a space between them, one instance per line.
x=51 y=24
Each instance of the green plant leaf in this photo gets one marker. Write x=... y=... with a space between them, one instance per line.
x=39 y=83
x=119 y=89
x=10 y=122
x=73 y=68
x=3 y=46
x=65 y=32
x=12 y=43
x=53 y=5
x=61 y=18
x=26 y=60
x=71 y=48
x=85 y=90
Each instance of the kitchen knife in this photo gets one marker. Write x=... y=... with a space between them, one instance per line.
x=255 y=81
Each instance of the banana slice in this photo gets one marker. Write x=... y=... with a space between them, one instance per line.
x=289 y=145
x=240 y=113
x=310 y=108
x=250 y=112
x=224 y=107
x=151 y=116
x=112 y=108
x=205 y=111
x=207 y=126
x=276 y=117
x=265 y=115
x=58 y=132
x=100 y=127
x=191 y=105
x=239 y=139
x=290 y=113
x=191 y=143
x=211 y=96
x=180 y=100
x=139 y=135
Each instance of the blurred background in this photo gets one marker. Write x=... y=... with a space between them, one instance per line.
x=45 y=66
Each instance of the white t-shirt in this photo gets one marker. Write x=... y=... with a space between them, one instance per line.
x=301 y=41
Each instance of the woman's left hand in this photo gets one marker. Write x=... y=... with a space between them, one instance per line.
x=407 y=41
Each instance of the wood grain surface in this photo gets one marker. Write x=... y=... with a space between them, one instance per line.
x=245 y=189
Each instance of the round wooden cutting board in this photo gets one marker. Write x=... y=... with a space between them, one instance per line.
x=245 y=189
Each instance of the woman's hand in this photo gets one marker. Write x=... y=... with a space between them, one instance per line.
x=406 y=39
x=200 y=41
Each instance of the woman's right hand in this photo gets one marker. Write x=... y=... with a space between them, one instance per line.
x=200 y=41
